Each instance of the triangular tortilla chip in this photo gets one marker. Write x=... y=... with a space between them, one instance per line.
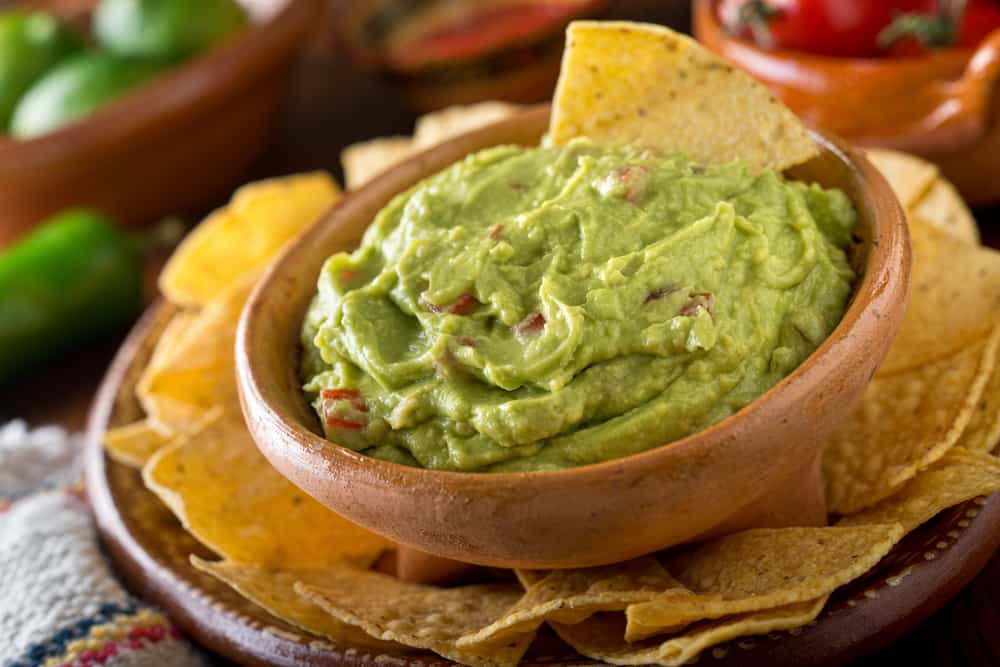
x=958 y=476
x=274 y=590
x=229 y=497
x=906 y=422
x=134 y=444
x=569 y=596
x=438 y=126
x=954 y=298
x=244 y=235
x=982 y=433
x=601 y=637
x=646 y=85
x=421 y=616
x=198 y=372
x=909 y=175
x=943 y=207
x=760 y=569
x=365 y=160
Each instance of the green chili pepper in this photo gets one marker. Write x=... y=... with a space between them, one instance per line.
x=74 y=279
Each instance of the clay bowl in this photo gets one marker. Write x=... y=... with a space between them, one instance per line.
x=759 y=467
x=940 y=106
x=513 y=54
x=175 y=145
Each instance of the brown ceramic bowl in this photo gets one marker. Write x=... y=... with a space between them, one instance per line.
x=760 y=467
x=175 y=145
x=490 y=50
x=941 y=106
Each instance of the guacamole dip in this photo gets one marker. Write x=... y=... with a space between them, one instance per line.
x=538 y=308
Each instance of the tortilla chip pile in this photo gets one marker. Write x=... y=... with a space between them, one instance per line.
x=919 y=443
x=193 y=447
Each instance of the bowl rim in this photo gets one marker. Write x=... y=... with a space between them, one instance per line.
x=180 y=91
x=875 y=280
x=704 y=18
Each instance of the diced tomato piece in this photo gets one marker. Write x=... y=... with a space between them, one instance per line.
x=463 y=305
x=337 y=422
x=697 y=302
x=634 y=180
x=339 y=394
x=530 y=326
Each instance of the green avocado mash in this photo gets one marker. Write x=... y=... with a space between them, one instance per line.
x=535 y=309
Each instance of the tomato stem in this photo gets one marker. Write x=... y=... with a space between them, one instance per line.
x=755 y=16
x=933 y=31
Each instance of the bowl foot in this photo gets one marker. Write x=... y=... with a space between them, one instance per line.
x=421 y=567
x=798 y=501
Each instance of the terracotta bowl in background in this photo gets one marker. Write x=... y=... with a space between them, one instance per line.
x=759 y=467
x=442 y=53
x=174 y=145
x=941 y=106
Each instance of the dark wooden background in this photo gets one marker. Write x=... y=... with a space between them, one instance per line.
x=332 y=105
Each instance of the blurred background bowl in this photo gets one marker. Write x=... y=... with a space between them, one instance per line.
x=176 y=145
x=444 y=52
x=940 y=106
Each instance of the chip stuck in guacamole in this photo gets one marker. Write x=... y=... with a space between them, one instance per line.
x=541 y=308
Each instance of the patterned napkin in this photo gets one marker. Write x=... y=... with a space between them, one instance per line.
x=60 y=603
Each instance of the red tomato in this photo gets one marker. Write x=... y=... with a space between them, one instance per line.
x=847 y=28
x=916 y=35
x=980 y=19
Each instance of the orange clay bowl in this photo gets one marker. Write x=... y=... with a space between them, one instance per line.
x=173 y=146
x=760 y=467
x=941 y=106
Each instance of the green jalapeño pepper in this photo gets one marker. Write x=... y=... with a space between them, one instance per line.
x=74 y=279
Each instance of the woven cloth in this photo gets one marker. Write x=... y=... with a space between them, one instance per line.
x=60 y=603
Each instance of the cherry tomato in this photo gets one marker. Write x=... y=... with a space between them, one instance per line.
x=980 y=19
x=917 y=34
x=846 y=28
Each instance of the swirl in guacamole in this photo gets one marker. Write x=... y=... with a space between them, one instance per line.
x=540 y=308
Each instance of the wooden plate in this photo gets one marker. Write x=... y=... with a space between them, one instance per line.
x=151 y=550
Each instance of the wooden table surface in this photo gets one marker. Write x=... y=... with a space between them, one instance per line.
x=332 y=105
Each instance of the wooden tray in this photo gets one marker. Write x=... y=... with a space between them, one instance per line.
x=151 y=550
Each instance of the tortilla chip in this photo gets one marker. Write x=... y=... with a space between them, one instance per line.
x=910 y=176
x=982 y=433
x=198 y=372
x=229 y=497
x=954 y=298
x=569 y=596
x=274 y=590
x=600 y=637
x=959 y=475
x=173 y=336
x=421 y=616
x=244 y=235
x=133 y=444
x=906 y=421
x=365 y=160
x=643 y=84
x=761 y=569
x=439 y=126
x=943 y=207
